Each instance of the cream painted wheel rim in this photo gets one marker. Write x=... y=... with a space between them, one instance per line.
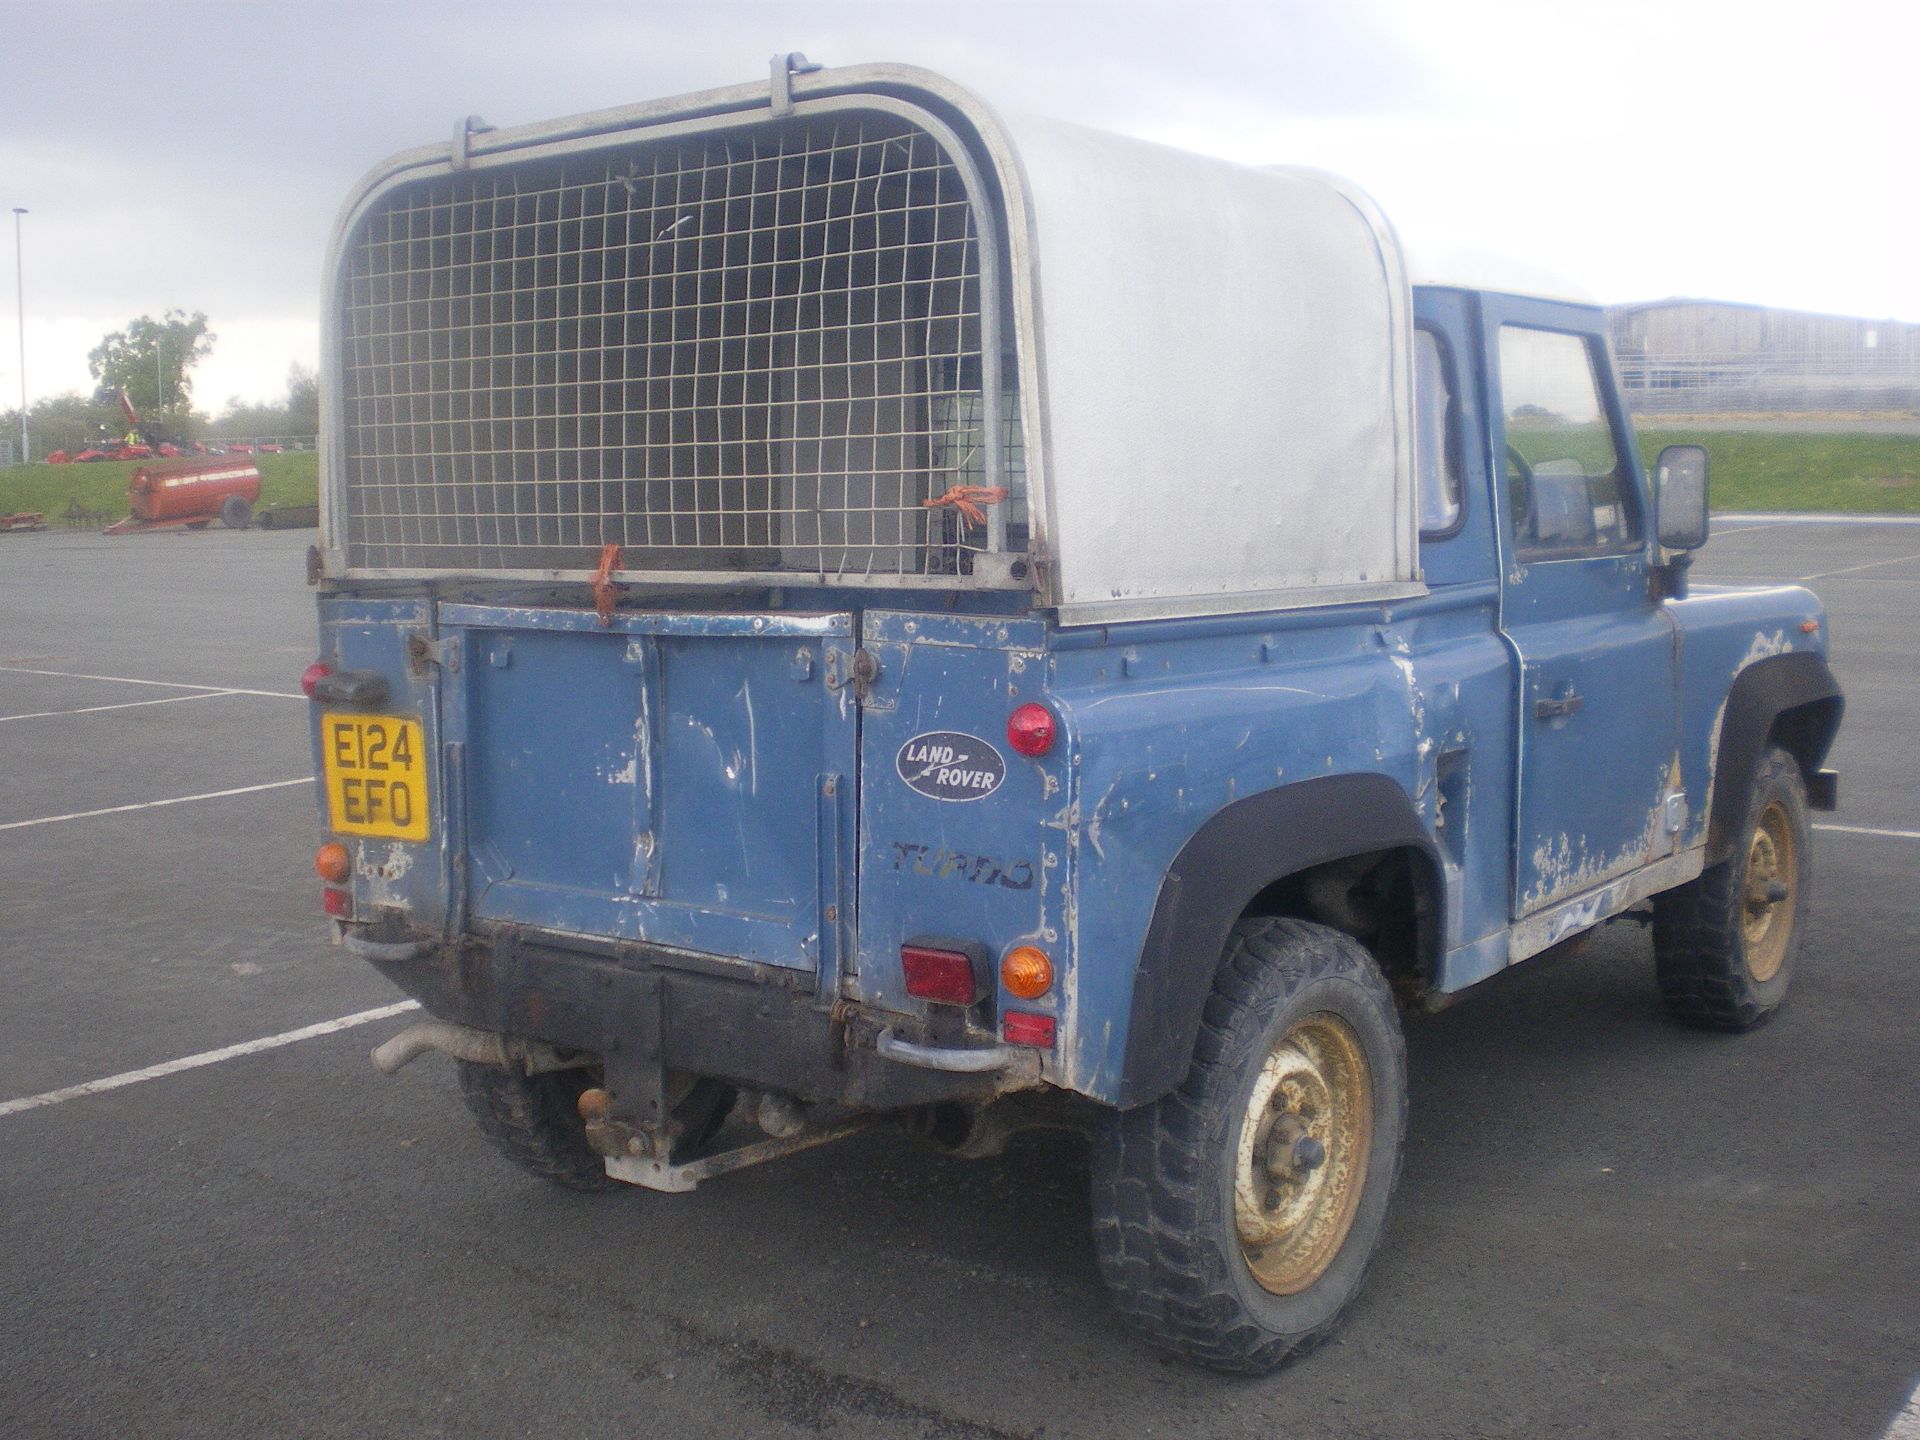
x=1302 y=1160
x=1766 y=920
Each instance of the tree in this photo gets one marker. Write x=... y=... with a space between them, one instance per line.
x=150 y=360
x=303 y=401
x=298 y=416
x=66 y=422
x=245 y=421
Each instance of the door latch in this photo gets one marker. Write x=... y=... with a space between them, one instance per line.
x=1558 y=707
x=858 y=670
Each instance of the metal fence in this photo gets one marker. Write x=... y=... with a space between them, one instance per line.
x=1705 y=358
x=261 y=444
x=754 y=350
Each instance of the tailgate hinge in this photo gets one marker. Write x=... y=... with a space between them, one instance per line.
x=423 y=650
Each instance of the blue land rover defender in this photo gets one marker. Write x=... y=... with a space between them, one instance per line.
x=839 y=604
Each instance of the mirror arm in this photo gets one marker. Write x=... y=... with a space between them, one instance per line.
x=1669 y=579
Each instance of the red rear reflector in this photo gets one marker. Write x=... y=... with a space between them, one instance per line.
x=339 y=903
x=313 y=675
x=1021 y=1028
x=1030 y=729
x=943 y=975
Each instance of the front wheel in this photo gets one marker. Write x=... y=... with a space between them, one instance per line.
x=1724 y=944
x=1235 y=1218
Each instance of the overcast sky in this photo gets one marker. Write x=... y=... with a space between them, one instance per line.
x=191 y=154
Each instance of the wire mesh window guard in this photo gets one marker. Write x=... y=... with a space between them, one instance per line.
x=749 y=351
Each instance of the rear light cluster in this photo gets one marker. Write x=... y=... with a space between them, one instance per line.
x=313 y=675
x=333 y=863
x=950 y=975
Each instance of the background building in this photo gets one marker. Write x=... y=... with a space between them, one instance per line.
x=1708 y=357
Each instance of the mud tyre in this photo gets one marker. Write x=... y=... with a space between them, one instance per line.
x=1724 y=944
x=1235 y=1219
x=534 y=1121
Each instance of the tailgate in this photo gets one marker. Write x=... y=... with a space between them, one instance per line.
x=679 y=779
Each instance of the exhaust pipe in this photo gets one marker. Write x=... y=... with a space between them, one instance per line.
x=463 y=1042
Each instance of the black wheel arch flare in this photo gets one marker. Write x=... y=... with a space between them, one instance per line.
x=1793 y=697
x=1242 y=850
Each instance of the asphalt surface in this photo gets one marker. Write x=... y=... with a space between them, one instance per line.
x=1607 y=1225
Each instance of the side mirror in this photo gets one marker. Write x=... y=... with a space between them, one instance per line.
x=1680 y=490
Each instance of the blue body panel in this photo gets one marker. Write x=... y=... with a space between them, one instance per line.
x=716 y=781
x=1167 y=732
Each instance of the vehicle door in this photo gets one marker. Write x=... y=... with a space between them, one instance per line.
x=670 y=778
x=1596 y=727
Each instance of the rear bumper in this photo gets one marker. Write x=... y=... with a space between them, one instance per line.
x=758 y=1026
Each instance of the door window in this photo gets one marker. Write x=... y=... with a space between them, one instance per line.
x=1436 y=447
x=1567 y=489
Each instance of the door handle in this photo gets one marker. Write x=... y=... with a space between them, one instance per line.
x=1557 y=708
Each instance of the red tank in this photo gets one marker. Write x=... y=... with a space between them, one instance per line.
x=192 y=492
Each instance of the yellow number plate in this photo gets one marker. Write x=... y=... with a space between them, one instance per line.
x=376 y=775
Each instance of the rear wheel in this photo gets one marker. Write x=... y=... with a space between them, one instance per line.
x=534 y=1120
x=1235 y=1218
x=1724 y=944
x=235 y=512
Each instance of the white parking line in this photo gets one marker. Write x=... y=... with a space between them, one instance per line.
x=156 y=804
x=205 y=1057
x=1816 y=517
x=1906 y=1424
x=163 y=684
x=1871 y=830
x=1870 y=565
x=122 y=705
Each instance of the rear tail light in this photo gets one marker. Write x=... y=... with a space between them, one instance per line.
x=1031 y=729
x=1021 y=1028
x=339 y=903
x=948 y=976
x=313 y=675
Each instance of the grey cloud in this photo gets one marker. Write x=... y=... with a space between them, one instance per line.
x=194 y=154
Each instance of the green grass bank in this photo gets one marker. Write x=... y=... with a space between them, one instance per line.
x=284 y=480
x=1752 y=470
x=1780 y=470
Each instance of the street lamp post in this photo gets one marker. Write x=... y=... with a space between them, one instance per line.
x=20 y=298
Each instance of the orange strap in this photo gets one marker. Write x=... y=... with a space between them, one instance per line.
x=604 y=593
x=968 y=499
